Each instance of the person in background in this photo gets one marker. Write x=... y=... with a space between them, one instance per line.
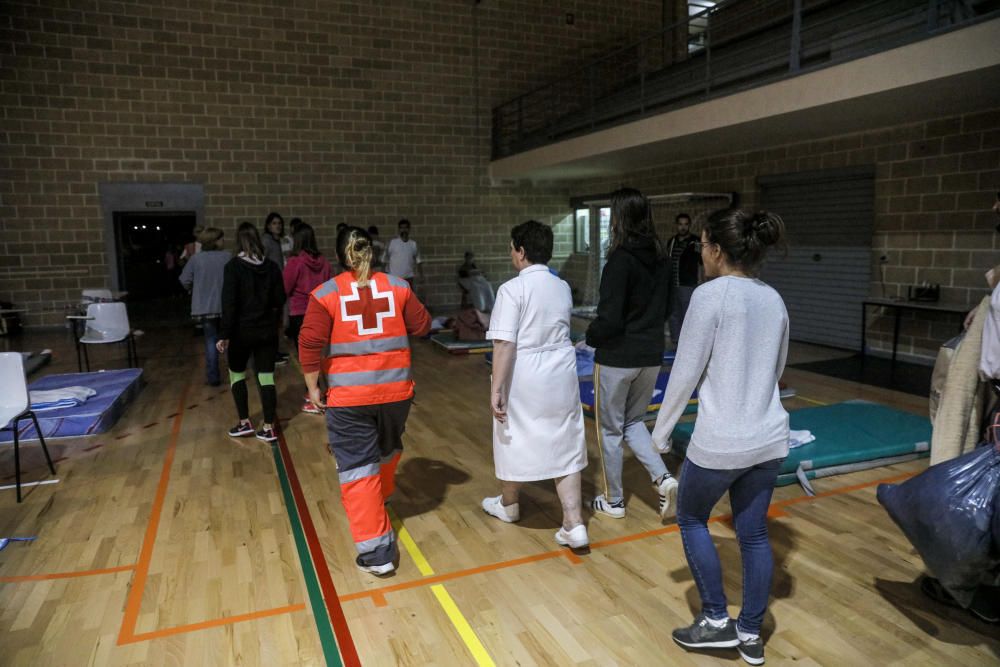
x=684 y=263
x=202 y=277
x=732 y=350
x=356 y=331
x=272 y=238
x=252 y=301
x=402 y=257
x=306 y=269
x=627 y=335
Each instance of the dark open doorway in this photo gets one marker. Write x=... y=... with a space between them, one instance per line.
x=149 y=248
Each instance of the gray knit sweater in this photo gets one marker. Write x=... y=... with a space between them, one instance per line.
x=732 y=349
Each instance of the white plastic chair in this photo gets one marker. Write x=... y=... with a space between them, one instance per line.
x=108 y=323
x=14 y=406
x=95 y=296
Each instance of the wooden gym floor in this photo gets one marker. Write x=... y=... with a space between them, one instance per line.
x=166 y=542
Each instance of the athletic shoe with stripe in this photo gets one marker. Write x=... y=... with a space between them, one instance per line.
x=702 y=634
x=267 y=434
x=752 y=650
x=602 y=505
x=242 y=429
x=667 y=490
x=310 y=407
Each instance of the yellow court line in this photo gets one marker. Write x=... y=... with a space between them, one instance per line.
x=810 y=400
x=465 y=631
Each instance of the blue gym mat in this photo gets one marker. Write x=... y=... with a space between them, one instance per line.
x=115 y=390
x=849 y=436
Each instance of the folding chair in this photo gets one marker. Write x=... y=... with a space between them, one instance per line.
x=15 y=406
x=107 y=323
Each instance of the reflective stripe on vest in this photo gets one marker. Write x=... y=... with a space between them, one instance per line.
x=364 y=378
x=329 y=287
x=367 y=347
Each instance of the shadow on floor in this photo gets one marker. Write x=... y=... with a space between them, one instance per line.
x=906 y=377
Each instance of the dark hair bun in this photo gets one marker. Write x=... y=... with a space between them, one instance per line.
x=767 y=227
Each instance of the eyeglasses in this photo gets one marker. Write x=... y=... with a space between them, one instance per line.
x=701 y=245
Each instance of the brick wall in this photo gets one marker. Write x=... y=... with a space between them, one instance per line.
x=357 y=112
x=934 y=185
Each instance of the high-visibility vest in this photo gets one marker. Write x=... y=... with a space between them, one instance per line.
x=367 y=361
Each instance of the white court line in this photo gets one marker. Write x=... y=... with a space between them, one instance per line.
x=24 y=484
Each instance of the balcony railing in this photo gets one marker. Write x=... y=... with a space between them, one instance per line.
x=735 y=45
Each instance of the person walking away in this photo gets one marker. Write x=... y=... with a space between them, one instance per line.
x=535 y=397
x=627 y=335
x=202 y=277
x=252 y=301
x=363 y=321
x=732 y=349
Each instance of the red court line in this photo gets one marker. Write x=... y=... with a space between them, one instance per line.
x=133 y=603
x=377 y=595
x=338 y=620
x=65 y=575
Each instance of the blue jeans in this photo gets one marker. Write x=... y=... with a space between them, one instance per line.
x=750 y=492
x=211 y=333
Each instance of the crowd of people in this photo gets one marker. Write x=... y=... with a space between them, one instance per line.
x=350 y=323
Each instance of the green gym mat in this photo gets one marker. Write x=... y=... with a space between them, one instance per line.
x=850 y=436
x=448 y=341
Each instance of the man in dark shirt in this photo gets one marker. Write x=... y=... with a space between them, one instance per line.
x=684 y=262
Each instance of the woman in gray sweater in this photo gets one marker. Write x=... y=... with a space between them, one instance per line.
x=732 y=349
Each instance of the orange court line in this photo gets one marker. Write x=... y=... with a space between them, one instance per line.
x=377 y=595
x=65 y=575
x=134 y=602
x=227 y=620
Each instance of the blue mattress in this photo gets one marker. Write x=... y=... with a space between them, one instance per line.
x=115 y=390
x=846 y=433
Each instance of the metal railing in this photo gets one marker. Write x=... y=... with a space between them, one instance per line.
x=736 y=44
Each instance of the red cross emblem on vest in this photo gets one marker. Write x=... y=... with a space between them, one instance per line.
x=368 y=307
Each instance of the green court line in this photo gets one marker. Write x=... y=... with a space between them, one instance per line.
x=323 y=625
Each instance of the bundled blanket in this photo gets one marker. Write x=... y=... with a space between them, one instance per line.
x=67 y=397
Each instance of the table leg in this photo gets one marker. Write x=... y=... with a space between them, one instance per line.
x=895 y=343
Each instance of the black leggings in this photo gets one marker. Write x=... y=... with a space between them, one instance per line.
x=264 y=353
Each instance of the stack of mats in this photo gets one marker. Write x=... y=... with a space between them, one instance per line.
x=449 y=342
x=115 y=390
x=850 y=436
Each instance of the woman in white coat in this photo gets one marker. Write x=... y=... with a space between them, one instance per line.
x=535 y=397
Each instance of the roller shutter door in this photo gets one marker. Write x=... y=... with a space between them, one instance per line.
x=827 y=271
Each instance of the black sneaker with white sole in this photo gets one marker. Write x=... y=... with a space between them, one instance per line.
x=242 y=429
x=266 y=434
x=752 y=650
x=702 y=634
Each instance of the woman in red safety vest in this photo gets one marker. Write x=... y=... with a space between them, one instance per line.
x=356 y=329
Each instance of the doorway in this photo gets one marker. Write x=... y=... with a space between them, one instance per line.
x=149 y=248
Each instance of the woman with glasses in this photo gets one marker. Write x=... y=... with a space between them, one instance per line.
x=732 y=350
x=628 y=339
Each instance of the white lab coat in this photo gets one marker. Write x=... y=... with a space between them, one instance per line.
x=543 y=435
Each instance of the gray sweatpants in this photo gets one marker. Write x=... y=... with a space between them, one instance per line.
x=622 y=396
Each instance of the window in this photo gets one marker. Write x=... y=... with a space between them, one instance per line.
x=581 y=230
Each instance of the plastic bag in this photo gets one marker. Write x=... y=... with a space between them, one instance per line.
x=948 y=513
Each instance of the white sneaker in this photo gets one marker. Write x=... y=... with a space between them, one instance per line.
x=378 y=570
x=600 y=505
x=575 y=538
x=667 y=489
x=494 y=507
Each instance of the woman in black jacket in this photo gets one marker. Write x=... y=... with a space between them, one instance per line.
x=252 y=297
x=628 y=337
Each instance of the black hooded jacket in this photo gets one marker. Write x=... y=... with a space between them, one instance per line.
x=252 y=297
x=634 y=303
